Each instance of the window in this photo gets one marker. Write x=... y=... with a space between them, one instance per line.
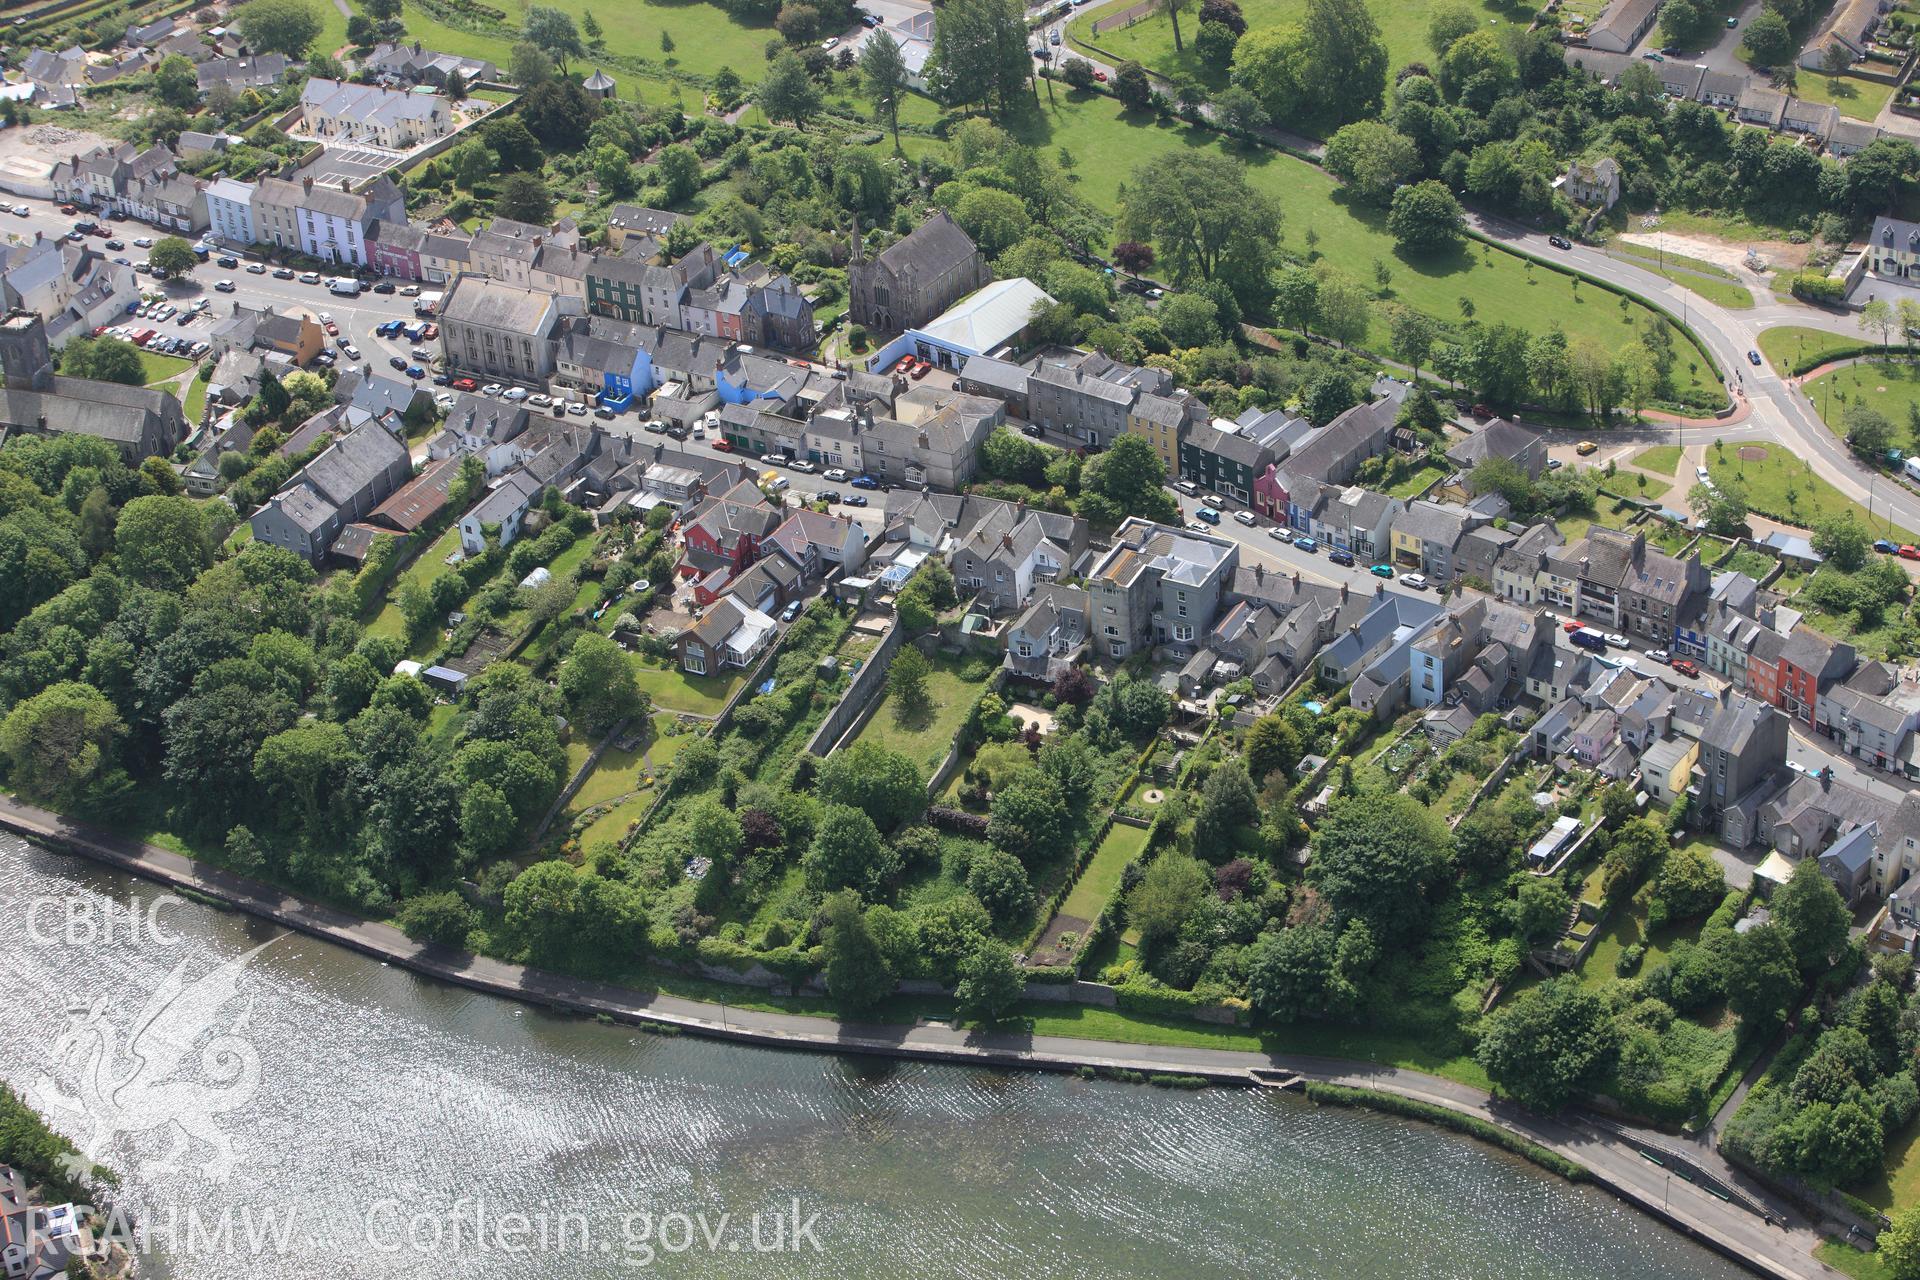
x=1183 y=634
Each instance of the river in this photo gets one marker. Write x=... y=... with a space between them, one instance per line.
x=388 y=1107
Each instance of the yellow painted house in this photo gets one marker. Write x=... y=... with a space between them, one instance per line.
x=1666 y=766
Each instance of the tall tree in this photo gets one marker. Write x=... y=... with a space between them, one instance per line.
x=60 y=741
x=1204 y=216
x=883 y=81
x=856 y=972
x=1173 y=8
x=1346 y=70
x=278 y=26
x=980 y=55
x=1547 y=1043
x=554 y=33
x=788 y=93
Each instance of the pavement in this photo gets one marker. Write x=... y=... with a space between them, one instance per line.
x=1778 y=1245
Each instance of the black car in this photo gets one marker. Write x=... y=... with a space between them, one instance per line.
x=1341 y=557
x=385 y=286
x=228 y=262
x=1560 y=242
x=677 y=431
x=116 y=245
x=442 y=379
x=396 y=362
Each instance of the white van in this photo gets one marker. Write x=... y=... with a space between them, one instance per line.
x=344 y=286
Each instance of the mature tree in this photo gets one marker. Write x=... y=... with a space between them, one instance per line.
x=1296 y=298
x=564 y=916
x=1898 y=1247
x=980 y=55
x=1539 y=909
x=1689 y=883
x=1836 y=1143
x=788 y=92
x=1811 y=917
x=1449 y=20
x=907 y=679
x=1228 y=807
x=857 y=973
x=1131 y=86
x=1374 y=858
x=598 y=682
x=1273 y=746
x=1189 y=320
x=995 y=219
x=1344 y=73
x=1240 y=109
x=1343 y=307
x=444 y=918
x=998 y=879
x=304 y=771
x=1309 y=970
x=1479 y=69
x=1214 y=45
x=1547 y=1043
x=162 y=541
x=176 y=83
x=990 y=982
x=1372 y=159
x=278 y=26
x=517 y=149
x=103 y=359
x=528 y=65
x=60 y=741
x=847 y=852
x=1876 y=176
x=1029 y=818
x=524 y=197
x=559 y=113
x=880 y=782
x=553 y=32
x=1129 y=477
x=1843 y=540
x=1761 y=979
x=1769 y=41
x=1721 y=507
x=883 y=82
x=1426 y=218
x=487 y=821
x=1172 y=889
x=679 y=168
x=1205 y=217
x=1869 y=434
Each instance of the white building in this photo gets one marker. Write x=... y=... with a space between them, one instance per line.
x=372 y=116
x=230 y=211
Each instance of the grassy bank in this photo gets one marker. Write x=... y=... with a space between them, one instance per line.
x=1411 y=1108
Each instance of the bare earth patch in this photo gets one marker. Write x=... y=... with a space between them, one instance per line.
x=1753 y=453
x=1779 y=254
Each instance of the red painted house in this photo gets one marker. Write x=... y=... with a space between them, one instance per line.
x=1810 y=664
x=393 y=249
x=1269 y=498
x=723 y=536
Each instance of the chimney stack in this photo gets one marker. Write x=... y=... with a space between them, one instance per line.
x=1343 y=593
x=306 y=183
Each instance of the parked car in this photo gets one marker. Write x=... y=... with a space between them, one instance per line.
x=855 y=499
x=721 y=446
x=1617 y=641
x=858 y=482
x=283 y=273
x=1208 y=514
x=1586 y=447
x=1660 y=656
x=1306 y=544
x=145 y=242
x=353 y=352
x=654 y=427
x=514 y=395
x=256 y=268
x=1884 y=547
x=116 y=245
x=1589 y=639
x=226 y=261
x=1686 y=666
x=1560 y=242
x=396 y=362
x=309 y=277
x=803 y=466
x=1246 y=518
x=1341 y=557
x=1280 y=533
x=1381 y=571
x=1908 y=551
x=384 y=286
x=465 y=384
x=415 y=372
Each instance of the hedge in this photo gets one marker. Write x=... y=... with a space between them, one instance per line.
x=1808 y=364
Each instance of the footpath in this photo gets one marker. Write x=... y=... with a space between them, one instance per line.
x=1779 y=1248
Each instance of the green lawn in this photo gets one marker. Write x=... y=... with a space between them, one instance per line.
x=705 y=38
x=1425 y=475
x=1097 y=883
x=675 y=690
x=1767 y=481
x=617 y=773
x=423 y=569
x=1403 y=24
x=1790 y=346
x=1501 y=287
x=1857 y=99
x=1891 y=386
x=924 y=736
x=610 y=826
x=196 y=403
x=162 y=368
x=1664 y=458
x=1845 y=1258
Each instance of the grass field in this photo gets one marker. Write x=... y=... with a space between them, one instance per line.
x=924 y=736
x=1845 y=1258
x=1403 y=25
x=1096 y=885
x=1713 y=283
x=422 y=570
x=1767 y=482
x=612 y=824
x=1501 y=287
x=196 y=402
x=162 y=368
x=1857 y=99
x=675 y=690
x=1898 y=1186
x=1891 y=386
x=1664 y=458
x=1789 y=345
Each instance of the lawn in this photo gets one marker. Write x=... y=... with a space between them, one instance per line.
x=1097 y=883
x=162 y=368
x=196 y=403
x=925 y=735
x=1789 y=347
x=1424 y=476
x=1891 y=386
x=675 y=690
x=1845 y=1258
x=1664 y=458
x=1857 y=99
x=617 y=773
x=1768 y=480
x=423 y=569
x=1626 y=927
x=1403 y=25
x=705 y=38
x=610 y=826
x=1502 y=288
x=1898 y=1184
x=1755 y=564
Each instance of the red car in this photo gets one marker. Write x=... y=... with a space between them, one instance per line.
x=921 y=369
x=1571 y=627
x=68 y=209
x=333 y=330
x=465 y=384
x=1909 y=552
x=721 y=446
x=904 y=365
x=1101 y=76
x=1686 y=666
x=429 y=332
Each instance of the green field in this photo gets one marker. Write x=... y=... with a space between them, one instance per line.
x=1857 y=99
x=1664 y=458
x=1096 y=885
x=1789 y=346
x=1501 y=287
x=1767 y=481
x=1403 y=25
x=1423 y=477
x=924 y=736
x=1891 y=386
